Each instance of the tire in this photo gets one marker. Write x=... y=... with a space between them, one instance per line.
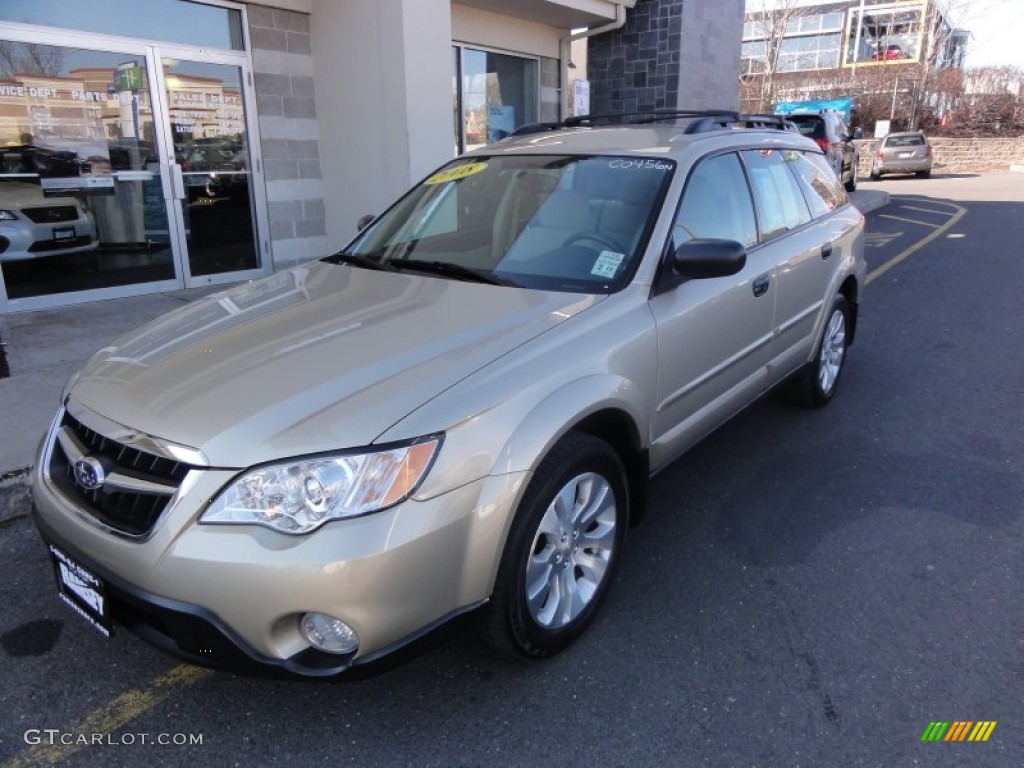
x=923 y=174
x=564 y=554
x=816 y=384
x=851 y=185
x=875 y=175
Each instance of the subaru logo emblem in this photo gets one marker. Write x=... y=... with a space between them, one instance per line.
x=89 y=473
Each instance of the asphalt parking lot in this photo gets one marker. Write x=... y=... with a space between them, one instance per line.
x=808 y=588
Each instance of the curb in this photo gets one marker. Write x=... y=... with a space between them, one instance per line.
x=15 y=495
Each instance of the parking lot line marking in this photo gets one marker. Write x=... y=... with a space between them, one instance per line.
x=117 y=714
x=925 y=210
x=904 y=254
x=908 y=221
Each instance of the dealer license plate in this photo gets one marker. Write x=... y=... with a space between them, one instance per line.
x=63 y=233
x=81 y=590
x=905 y=154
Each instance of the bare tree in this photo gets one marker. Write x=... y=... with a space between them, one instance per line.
x=770 y=19
x=30 y=59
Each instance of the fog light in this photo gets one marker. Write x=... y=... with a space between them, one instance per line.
x=329 y=634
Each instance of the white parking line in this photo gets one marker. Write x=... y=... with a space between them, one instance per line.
x=925 y=210
x=908 y=221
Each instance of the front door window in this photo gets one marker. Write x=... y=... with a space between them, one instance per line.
x=81 y=199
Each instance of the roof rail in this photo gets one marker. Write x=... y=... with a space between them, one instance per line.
x=704 y=120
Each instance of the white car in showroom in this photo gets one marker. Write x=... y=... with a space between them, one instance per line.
x=32 y=225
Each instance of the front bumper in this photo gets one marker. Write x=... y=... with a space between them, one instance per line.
x=233 y=596
x=24 y=240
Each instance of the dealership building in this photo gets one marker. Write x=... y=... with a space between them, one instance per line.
x=150 y=146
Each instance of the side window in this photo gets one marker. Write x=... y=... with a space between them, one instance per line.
x=716 y=204
x=822 y=189
x=780 y=204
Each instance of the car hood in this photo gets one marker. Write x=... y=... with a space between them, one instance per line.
x=315 y=359
x=17 y=194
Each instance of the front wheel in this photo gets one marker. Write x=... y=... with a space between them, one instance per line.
x=562 y=550
x=817 y=382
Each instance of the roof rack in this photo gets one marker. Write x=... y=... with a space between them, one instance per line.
x=703 y=120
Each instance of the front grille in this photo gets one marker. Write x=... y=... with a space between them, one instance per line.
x=51 y=214
x=130 y=511
x=41 y=246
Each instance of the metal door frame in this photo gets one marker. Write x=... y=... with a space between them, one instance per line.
x=153 y=52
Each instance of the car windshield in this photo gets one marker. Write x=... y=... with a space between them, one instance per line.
x=565 y=223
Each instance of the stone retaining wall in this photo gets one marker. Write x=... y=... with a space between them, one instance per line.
x=959 y=155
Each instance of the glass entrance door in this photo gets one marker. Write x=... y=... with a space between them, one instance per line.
x=210 y=169
x=81 y=195
x=124 y=169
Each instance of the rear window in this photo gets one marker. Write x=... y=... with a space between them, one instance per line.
x=904 y=141
x=810 y=126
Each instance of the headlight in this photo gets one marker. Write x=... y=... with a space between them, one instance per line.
x=299 y=497
x=7 y=215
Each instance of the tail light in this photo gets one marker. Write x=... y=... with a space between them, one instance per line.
x=879 y=154
x=824 y=144
x=928 y=151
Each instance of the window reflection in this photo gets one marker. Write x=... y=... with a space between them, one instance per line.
x=81 y=188
x=499 y=94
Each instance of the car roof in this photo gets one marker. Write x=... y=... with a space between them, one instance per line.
x=669 y=139
x=905 y=133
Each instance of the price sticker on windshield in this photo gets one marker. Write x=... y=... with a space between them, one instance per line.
x=456 y=173
x=607 y=264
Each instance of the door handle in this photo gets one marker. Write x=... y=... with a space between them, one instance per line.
x=177 y=182
x=760 y=285
x=826 y=250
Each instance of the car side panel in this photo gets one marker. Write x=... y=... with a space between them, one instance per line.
x=805 y=277
x=713 y=345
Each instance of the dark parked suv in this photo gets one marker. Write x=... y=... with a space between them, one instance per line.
x=835 y=139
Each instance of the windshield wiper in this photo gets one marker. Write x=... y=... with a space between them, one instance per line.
x=344 y=257
x=447 y=269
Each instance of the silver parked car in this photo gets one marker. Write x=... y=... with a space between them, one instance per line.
x=32 y=225
x=461 y=409
x=902 y=153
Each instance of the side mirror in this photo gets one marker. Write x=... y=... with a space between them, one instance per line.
x=709 y=258
x=364 y=221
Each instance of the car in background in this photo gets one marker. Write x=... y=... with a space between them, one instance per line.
x=830 y=132
x=32 y=225
x=888 y=53
x=459 y=411
x=907 y=152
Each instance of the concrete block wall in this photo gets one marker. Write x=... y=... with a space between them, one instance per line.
x=959 y=155
x=636 y=68
x=670 y=54
x=283 y=74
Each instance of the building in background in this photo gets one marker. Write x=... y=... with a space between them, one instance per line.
x=889 y=55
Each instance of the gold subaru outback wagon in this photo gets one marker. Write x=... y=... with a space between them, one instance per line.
x=460 y=410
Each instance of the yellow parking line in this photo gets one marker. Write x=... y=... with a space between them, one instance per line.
x=908 y=221
x=118 y=713
x=881 y=270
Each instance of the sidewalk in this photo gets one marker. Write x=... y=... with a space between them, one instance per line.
x=46 y=347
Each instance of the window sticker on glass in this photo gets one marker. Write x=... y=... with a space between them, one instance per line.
x=607 y=264
x=456 y=173
x=639 y=164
